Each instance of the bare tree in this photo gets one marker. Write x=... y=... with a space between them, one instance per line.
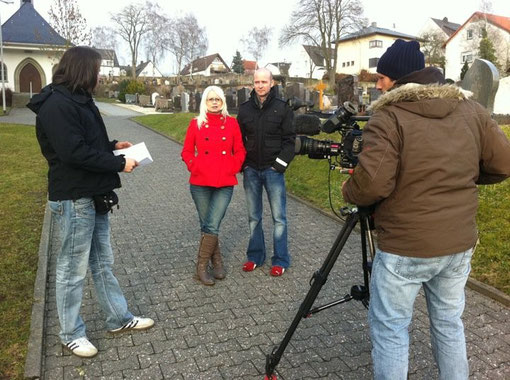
x=432 y=48
x=104 y=37
x=321 y=23
x=188 y=41
x=256 y=41
x=158 y=35
x=132 y=24
x=65 y=17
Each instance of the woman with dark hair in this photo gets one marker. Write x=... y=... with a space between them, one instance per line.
x=82 y=172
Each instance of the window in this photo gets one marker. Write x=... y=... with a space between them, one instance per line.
x=469 y=34
x=467 y=57
x=343 y=64
x=4 y=72
x=375 y=44
x=352 y=63
x=372 y=62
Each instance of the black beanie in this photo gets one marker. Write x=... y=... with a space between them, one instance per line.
x=400 y=59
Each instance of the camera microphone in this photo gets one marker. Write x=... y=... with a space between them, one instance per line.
x=309 y=125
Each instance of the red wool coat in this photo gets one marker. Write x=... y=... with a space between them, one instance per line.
x=214 y=153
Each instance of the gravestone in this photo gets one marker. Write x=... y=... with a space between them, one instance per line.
x=279 y=91
x=162 y=104
x=198 y=100
x=192 y=105
x=296 y=89
x=314 y=95
x=153 y=97
x=243 y=95
x=348 y=91
x=373 y=94
x=184 y=102
x=177 y=103
x=131 y=98
x=482 y=79
x=501 y=103
x=144 y=100
x=231 y=98
x=307 y=96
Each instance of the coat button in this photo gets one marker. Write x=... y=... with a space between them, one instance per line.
x=206 y=152
x=207 y=139
x=224 y=138
x=223 y=152
x=207 y=125
x=222 y=127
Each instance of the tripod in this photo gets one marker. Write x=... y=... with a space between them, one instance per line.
x=319 y=278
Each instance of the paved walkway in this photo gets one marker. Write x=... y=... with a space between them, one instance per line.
x=225 y=331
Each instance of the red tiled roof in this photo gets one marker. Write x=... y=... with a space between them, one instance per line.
x=250 y=65
x=499 y=21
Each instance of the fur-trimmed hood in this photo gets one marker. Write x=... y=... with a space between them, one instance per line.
x=412 y=92
x=423 y=92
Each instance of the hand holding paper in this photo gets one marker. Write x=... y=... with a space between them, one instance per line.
x=138 y=152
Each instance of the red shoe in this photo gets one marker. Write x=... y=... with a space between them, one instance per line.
x=249 y=266
x=277 y=271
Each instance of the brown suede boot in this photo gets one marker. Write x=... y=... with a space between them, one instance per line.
x=217 y=263
x=207 y=244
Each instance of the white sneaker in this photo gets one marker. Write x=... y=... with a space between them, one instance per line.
x=137 y=323
x=82 y=347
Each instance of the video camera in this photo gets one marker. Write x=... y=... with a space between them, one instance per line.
x=341 y=120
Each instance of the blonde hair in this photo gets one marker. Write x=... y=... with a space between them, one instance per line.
x=202 y=117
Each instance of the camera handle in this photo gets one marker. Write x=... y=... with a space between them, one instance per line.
x=319 y=278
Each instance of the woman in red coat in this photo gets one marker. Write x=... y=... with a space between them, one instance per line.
x=214 y=153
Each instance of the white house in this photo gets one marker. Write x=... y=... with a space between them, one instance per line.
x=147 y=70
x=309 y=63
x=443 y=26
x=463 y=45
x=31 y=49
x=208 y=65
x=109 y=63
x=361 y=50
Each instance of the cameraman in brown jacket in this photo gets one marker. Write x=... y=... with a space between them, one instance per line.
x=426 y=148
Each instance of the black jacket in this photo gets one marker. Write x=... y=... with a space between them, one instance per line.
x=268 y=132
x=74 y=141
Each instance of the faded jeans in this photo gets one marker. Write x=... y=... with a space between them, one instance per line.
x=211 y=204
x=395 y=283
x=274 y=183
x=85 y=242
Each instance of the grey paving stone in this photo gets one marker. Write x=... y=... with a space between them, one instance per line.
x=225 y=331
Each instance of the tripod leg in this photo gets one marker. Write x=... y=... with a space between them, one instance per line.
x=319 y=279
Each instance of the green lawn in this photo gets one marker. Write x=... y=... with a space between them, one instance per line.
x=22 y=202
x=308 y=179
x=23 y=198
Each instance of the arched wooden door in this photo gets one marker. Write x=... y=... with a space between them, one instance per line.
x=29 y=74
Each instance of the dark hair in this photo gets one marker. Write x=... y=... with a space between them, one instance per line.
x=78 y=69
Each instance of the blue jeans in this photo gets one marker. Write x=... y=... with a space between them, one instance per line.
x=395 y=283
x=211 y=204
x=85 y=242
x=274 y=183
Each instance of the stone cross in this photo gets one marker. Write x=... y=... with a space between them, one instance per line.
x=321 y=87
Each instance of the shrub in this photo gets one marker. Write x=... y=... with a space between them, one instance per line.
x=130 y=87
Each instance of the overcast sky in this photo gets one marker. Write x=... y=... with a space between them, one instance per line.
x=227 y=21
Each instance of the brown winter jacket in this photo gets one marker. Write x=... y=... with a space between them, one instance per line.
x=425 y=149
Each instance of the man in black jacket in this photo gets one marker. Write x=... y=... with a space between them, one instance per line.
x=269 y=138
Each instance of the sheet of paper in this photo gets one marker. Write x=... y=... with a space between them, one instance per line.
x=138 y=152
